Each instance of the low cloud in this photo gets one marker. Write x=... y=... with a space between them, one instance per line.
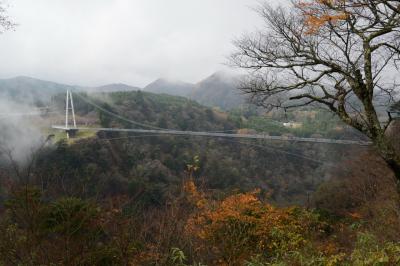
x=20 y=135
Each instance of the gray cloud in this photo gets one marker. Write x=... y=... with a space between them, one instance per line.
x=93 y=42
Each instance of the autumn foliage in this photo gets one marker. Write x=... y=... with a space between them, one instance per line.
x=194 y=228
x=241 y=226
x=197 y=226
x=318 y=13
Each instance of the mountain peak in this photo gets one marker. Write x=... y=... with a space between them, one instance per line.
x=221 y=77
x=224 y=74
x=114 y=87
x=170 y=86
x=168 y=81
x=219 y=89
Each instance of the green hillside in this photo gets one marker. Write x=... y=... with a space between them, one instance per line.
x=288 y=170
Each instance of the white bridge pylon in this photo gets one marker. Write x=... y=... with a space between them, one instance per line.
x=71 y=131
x=69 y=107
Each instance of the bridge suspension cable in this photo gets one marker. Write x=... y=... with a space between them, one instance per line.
x=129 y=120
x=116 y=115
x=163 y=131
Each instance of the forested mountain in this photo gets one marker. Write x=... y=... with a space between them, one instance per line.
x=171 y=87
x=30 y=90
x=218 y=90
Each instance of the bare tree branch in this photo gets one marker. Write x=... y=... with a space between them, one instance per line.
x=338 y=54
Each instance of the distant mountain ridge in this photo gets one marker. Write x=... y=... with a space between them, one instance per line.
x=218 y=90
x=39 y=92
x=166 y=86
x=31 y=90
x=114 y=87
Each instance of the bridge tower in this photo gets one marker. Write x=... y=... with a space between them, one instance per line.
x=69 y=106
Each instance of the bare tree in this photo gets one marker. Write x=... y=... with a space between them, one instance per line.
x=339 y=54
x=5 y=21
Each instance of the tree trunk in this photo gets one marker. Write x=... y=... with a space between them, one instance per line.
x=389 y=154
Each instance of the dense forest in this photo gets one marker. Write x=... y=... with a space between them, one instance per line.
x=226 y=163
x=129 y=199
x=132 y=182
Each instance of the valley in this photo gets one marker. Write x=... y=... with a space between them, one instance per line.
x=195 y=133
x=152 y=176
x=284 y=169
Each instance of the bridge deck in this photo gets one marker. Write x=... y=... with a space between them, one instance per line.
x=222 y=135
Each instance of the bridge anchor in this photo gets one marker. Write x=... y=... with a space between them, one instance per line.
x=71 y=133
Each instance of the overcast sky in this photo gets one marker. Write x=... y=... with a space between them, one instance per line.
x=93 y=42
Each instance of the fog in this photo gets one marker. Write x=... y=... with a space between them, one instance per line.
x=94 y=42
x=20 y=135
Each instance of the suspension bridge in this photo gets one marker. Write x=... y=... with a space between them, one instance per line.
x=72 y=129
